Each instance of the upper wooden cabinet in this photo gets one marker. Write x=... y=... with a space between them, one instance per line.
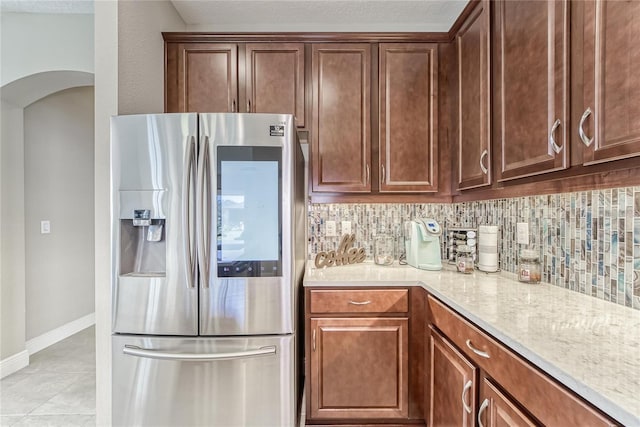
x=408 y=130
x=406 y=159
x=340 y=129
x=531 y=87
x=609 y=125
x=229 y=77
x=201 y=77
x=275 y=79
x=473 y=45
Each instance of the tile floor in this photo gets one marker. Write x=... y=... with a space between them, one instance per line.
x=57 y=389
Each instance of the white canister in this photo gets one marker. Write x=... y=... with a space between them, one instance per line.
x=488 y=248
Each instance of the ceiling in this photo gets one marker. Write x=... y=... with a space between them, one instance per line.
x=47 y=6
x=286 y=15
x=319 y=15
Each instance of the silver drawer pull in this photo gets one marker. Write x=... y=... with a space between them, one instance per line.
x=476 y=351
x=465 y=391
x=484 y=154
x=484 y=406
x=552 y=141
x=359 y=302
x=583 y=136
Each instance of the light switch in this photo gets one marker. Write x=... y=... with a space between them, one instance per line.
x=331 y=229
x=346 y=227
x=522 y=233
x=45 y=227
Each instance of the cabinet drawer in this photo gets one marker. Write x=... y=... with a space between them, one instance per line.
x=543 y=397
x=359 y=301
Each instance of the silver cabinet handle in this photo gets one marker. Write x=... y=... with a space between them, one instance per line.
x=476 y=351
x=484 y=154
x=359 y=302
x=314 y=340
x=484 y=405
x=233 y=106
x=133 y=350
x=583 y=136
x=203 y=214
x=465 y=390
x=552 y=142
x=187 y=230
x=248 y=105
x=382 y=174
x=368 y=173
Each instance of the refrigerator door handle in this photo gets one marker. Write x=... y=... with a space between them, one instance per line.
x=133 y=350
x=203 y=213
x=187 y=229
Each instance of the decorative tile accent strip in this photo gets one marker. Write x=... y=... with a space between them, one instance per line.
x=588 y=241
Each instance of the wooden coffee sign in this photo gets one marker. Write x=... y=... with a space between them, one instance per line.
x=343 y=256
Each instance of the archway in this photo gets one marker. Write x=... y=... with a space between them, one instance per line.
x=16 y=96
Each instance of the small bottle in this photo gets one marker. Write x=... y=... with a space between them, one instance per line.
x=529 y=269
x=464 y=259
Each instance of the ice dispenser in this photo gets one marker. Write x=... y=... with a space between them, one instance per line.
x=142 y=242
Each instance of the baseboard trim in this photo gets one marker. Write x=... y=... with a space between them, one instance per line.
x=43 y=341
x=14 y=363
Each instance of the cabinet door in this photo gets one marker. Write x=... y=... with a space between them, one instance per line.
x=497 y=409
x=531 y=93
x=452 y=400
x=408 y=88
x=474 y=103
x=359 y=368
x=207 y=78
x=275 y=79
x=341 y=140
x=610 y=123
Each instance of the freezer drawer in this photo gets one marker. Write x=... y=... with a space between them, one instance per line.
x=204 y=381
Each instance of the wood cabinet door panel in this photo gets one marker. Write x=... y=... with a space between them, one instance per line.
x=341 y=141
x=474 y=102
x=275 y=79
x=531 y=94
x=359 y=368
x=408 y=117
x=207 y=77
x=453 y=381
x=611 y=60
x=497 y=410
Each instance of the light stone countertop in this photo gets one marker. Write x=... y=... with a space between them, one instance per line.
x=590 y=345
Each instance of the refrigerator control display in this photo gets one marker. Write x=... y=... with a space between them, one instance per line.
x=249 y=212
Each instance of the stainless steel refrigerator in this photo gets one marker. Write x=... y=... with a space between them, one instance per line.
x=208 y=251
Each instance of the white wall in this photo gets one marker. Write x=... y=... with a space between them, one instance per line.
x=129 y=78
x=52 y=42
x=12 y=292
x=58 y=159
x=141 y=54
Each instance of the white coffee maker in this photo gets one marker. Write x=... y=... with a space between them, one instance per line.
x=422 y=243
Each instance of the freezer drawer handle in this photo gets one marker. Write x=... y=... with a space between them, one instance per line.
x=133 y=350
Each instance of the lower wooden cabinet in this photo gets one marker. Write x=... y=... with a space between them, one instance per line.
x=359 y=368
x=454 y=398
x=497 y=409
x=452 y=384
x=511 y=391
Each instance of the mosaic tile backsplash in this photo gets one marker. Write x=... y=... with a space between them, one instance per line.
x=588 y=241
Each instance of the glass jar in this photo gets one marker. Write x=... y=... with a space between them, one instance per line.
x=464 y=259
x=529 y=269
x=383 y=249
